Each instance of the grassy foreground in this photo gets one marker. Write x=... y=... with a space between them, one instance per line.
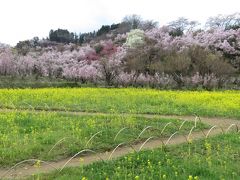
x=27 y=135
x=128 y=100
x=210 y=159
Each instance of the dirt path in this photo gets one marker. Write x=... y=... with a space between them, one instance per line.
x=27 y=170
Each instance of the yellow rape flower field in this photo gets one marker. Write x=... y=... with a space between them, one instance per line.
x=119 y=133
x=126 y=100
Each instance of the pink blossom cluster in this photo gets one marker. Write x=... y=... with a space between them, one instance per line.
x=226 y=41
x=85 y=63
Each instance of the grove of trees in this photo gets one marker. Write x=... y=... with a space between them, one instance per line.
x=135 y=53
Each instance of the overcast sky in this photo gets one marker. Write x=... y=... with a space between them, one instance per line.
x=24 y=19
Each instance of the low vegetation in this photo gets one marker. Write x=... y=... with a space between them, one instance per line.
x=52 y=136
x=128 y=100
x=214 y=158
x=56 y=123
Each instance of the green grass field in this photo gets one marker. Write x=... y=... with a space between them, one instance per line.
x=27 y=132
x=214 y=158
x=27 y=135
x=203 y=103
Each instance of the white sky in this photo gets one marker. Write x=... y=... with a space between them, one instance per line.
x=24 y=19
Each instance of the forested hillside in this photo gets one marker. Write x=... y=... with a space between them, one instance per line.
x=134 y=52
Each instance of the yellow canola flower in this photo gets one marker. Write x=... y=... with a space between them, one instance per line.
x=137 y=177
x=190 y=177
x=37 y=164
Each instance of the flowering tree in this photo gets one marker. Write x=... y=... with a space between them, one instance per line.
x=135 y=38
x=152 y=57
x=231 y=21
x=7 y=66
x=111 y=68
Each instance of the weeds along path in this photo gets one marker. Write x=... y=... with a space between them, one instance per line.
x=208 y=120
x=219 y=125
